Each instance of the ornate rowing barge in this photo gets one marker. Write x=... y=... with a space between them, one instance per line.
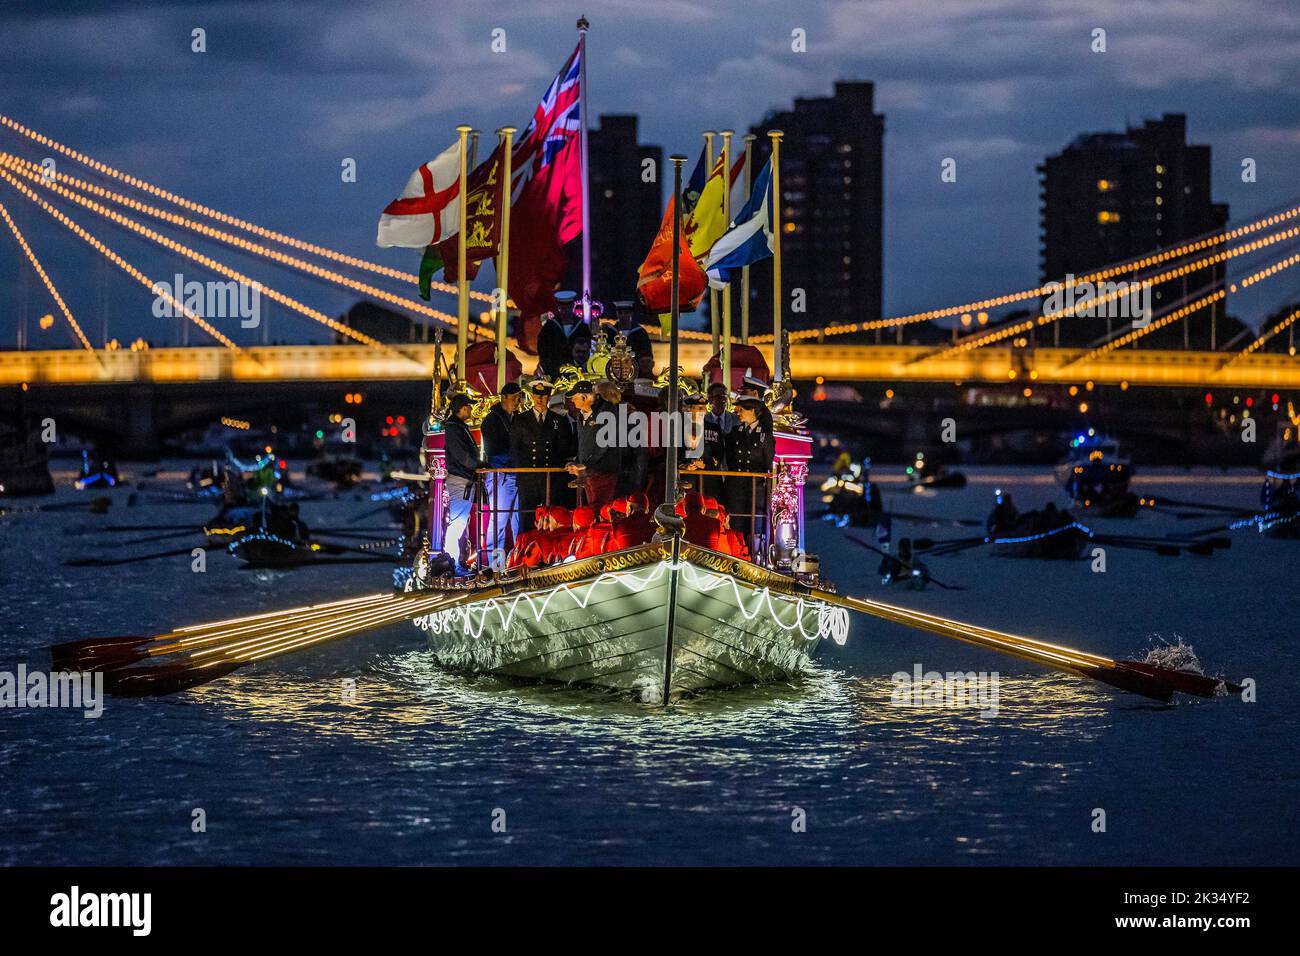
x=645 y=621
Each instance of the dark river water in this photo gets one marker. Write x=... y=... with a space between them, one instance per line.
x=419 y=764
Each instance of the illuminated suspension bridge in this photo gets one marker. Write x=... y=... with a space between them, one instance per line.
x=995 y=352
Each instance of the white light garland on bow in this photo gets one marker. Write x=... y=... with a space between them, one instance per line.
x=832 y=622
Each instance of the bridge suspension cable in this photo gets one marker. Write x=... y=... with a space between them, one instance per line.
x=1130 y=337
x=40 y=271
x=219 y=267
x=34 y=173
x=1207 y=240
x=1261 y=341
x=1196 y=265
x=117 y=260
x=147 y=187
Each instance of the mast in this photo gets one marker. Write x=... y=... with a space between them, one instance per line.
x=744 y=271
x=713 y=293
x=503 y=262
x=583 y=24
x=775 y=135
x=670 y=482
x=726 y=292
x=670 y=474
x=462 y=286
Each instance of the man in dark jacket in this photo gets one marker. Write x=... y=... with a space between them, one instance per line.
x=599 y=449
x=463 y=463
x=559 y=333
x=539 y=438
x=499 y=499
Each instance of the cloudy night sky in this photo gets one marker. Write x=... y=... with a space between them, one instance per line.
x=259 y=125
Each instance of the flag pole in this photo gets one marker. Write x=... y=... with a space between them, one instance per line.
x=583 y=24
x=726 y=291
x=713 y=293
x=775 y=135
x=670 y=474
x=503 y=262
x=744 y=272
x=462 y=290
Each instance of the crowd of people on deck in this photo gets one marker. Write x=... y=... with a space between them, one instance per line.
x=533 y=517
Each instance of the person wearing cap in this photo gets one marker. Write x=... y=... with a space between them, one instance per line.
x=752 y=387
x=463 y=463
x=693 y=407
x=556 y=340
x=500 y=487
x=598 y=459
x=539 y=438
x=717 y=423
x=750 y=446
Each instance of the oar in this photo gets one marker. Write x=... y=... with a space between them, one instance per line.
x=1203 y=506
x=949 y=546
x=367 y=514
x=152 y=527
x=336 y=548
x=187 y=657
x=1164 y=550
x=1159 y=683
x=926 y=519
x=354 y=532
x=156 y=537
x=110 y=562
x=928 y=576
x=97 y=505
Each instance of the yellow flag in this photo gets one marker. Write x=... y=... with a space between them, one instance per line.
x=707 y=222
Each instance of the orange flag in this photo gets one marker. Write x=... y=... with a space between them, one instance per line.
x=655 y=285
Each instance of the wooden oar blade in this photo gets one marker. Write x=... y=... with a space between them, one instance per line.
x=190 y=656
x=98 y=653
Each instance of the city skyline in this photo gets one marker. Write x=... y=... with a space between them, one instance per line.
x=260 y=123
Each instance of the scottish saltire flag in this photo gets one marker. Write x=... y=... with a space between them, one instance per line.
x=546 y=192
x=750 y=237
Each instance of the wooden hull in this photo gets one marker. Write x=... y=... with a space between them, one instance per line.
x=629 y=621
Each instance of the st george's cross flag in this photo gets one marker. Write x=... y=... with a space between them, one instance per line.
x=427 y=211
x=546 y=211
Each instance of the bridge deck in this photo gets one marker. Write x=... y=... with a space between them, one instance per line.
x=837 y=363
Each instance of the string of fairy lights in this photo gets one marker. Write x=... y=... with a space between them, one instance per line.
x=1048 y=318
x=244 y=640
x=983 y=305
x=212 y=264
x=1262 y=339
x=75 y=189
x=34 y=173
x=157 y=191
x=118 y=261
x=40 y=271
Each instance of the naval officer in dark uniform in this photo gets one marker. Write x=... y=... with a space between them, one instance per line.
x=539 y=438
x=750 y=446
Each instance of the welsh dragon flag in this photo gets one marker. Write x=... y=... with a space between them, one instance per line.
x=426 y=212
